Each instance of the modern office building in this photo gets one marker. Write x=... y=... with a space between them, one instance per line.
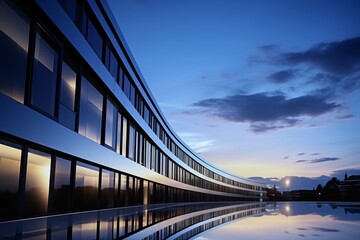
x=79 y=128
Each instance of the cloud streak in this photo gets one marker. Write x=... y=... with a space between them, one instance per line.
x=282 y=76
x=319 y=160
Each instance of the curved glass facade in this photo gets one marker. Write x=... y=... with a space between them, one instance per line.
x=79 y=125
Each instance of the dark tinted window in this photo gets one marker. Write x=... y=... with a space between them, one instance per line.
x=44 y=76
x=9 y=180
x=91 y=102
x=70 y=7
x=14 y=38
x=110 y=131
x=86 y=186
x=107 y=189
x=67 y=112
x=37 y=183
x=62 y=185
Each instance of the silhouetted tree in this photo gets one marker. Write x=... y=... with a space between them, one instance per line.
x=331 y=191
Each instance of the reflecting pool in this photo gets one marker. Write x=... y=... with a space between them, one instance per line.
x=294 y=220
x=253 y=220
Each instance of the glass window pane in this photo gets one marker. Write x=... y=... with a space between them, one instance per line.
x=116 y=190
x=126 y=89
x=145 y=192
x=107 y=189
x=9 y=180
x=43 y=88
x=111 y=62
x=124 y=136
x=123 y=190
x=121 y=77
x=14 y=38
x=130 y=191
x=140 y=150
x=131 y=150
x=94 y=38
x=113 y=65
x=37 y=183
x=62 y=185
x=118 y=133
x=110 y=133
x=70 y=8
x=91 y=102
x=67 y=97
x=86 y=186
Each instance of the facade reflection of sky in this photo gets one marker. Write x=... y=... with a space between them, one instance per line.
x=295 y=221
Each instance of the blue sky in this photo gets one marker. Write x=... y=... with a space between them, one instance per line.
x=259 y=88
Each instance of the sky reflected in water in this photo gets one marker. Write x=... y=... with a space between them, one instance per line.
x=295 y=221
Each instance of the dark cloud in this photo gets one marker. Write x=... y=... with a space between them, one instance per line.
x=300 y=154
x=319 y=160
x=282 y=76
x=286 y=157
x=320 y=229
x=314 y=154
x=348 y=116
x=339 y=58
x=271 y=48
x=265 y=112
x=335 y=66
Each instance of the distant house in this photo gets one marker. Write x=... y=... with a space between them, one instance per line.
x=350 y=188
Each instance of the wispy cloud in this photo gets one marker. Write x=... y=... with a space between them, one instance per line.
x=319 y=160
x=300 y=154
x=282 y=76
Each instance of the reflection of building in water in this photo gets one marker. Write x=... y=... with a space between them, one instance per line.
x=175 y=221
x=350 y=188
x=79 y=128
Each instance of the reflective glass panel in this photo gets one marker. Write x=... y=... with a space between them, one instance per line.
x=43 y=87
x=70 y=8
x=9 y=179
x=86 y=186
x=62 y=185
x=123 y=190
x=131 y=145
x=67 y=97
x=107 y=189
x=110 y=131
x=91 y=105
x=124 y=136
x=94 y=38
x=14 y=39
x=118 y=134
x=37 y=182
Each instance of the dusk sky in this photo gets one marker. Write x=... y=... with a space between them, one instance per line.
x=259 y=88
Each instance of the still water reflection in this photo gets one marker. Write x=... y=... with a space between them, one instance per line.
x=295 y=220
x=197 y=221
x=174 y=221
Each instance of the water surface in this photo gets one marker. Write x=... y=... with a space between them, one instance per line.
x=294 y=220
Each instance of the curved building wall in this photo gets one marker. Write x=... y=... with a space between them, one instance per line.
x=79 y=128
